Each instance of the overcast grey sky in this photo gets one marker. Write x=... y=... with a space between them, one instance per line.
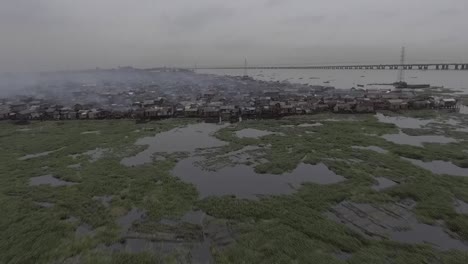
x=77 y=34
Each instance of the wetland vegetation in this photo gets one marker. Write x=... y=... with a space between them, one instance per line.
x=107 y=210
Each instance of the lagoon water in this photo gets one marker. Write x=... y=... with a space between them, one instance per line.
x=346 y=79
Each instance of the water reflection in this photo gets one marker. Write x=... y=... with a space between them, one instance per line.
x=345 y=78
x=403 y=122
x=310 y=125
x=383 y=183
x=244 y=182
x=127 y=220
x=394 y=221
x=49 y=180
x=461 y=207
x=38 y=155
x=252 y=133
x=440 y=167
x=105 y=200
x=404 y=139
x=186 y=139
x=373 y=148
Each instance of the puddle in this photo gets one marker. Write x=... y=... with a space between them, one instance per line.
x=84 y=230
x=72 y=219
x=105 y=200
x=373 y=148
x=96 y=132
x=462 y=129
x=186 y=139
x=198 y=253
x=252 y=133
x=404 y=139
x=95 y=154
x=344 y=256
x=440 y=167
x=38 y=155
x=194 y=250
x=452 y=122
x=310 y=125
x=45 y=204
x=393 y=221
x=248 y=155
x=194 y=217
x=383 y=183
x=403 y=122
x=461 y=207
x=126 y=221
x=49 y=180
x=242 y=181
x=74 y=166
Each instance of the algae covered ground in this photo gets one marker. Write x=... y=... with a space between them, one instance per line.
x=97 y=208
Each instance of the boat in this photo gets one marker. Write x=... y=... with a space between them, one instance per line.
x=410 y=86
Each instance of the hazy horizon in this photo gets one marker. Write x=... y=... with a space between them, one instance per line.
x=49 y=35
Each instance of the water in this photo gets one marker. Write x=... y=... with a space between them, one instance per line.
x=126 y=221
x=403 y=122
x=185 y=139
x=373 y=148
x=310 y=125
x=95 y=154
x=346 y=79
x=252 y=133
x=394 y=221
x=74 y=166
x=461 y=207
x=96 y=132
x=38 y=155
x=244 y=182
x=194 y=217
x=433 y=235
x=344 y=256
x=383 y=183
x=199 y=253
x=84 y=230
x=440 y=167
x=105 y=200
x=49 y=180
x=404 y=139
x=45 y=204
x=198 y=250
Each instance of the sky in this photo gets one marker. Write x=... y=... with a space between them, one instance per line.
x=43 y=35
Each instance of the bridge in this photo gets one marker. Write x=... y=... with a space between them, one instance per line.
x=418 y=66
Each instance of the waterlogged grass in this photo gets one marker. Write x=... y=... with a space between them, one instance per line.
x=294 y=229
x=33 y=234
x=280 y=229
